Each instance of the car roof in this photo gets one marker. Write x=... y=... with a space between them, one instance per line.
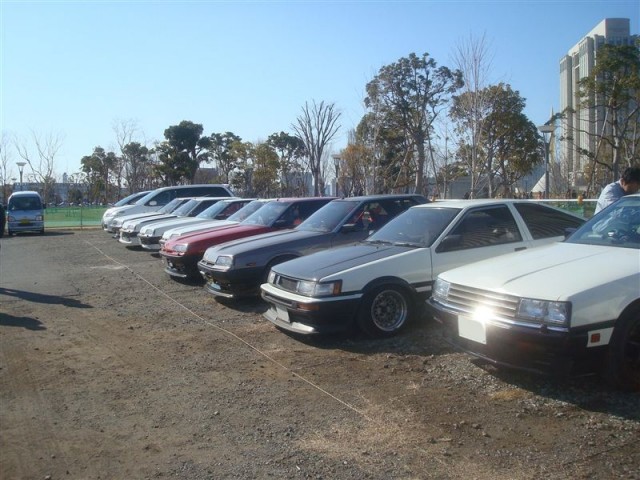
x=381 y=196
x=461 y=203
x=25 y=193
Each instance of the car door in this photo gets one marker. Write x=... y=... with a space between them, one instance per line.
x=481 y=232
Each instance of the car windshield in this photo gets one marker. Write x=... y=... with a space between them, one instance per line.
x=172 y=205
x=417 y=227
x=328 y=217
x=184 y=209
x=617 y=225
x=267 y=214
x=212 y=211
x=246 y=211
x=127 y=200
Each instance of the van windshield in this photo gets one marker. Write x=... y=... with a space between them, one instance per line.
x=25 y=203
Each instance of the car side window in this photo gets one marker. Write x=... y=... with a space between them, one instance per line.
x=163 y=198
x=544 y=222
x=483 y=228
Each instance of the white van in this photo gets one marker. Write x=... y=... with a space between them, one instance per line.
x=25 y=213
x=158 y=198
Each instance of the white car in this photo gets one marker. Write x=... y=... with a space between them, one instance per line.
x=572 y=307
x=381 y=282
x=128 y=232
x=150 y=235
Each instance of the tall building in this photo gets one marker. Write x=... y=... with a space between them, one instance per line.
x=580 y=126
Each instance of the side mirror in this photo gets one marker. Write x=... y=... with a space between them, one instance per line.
x=569 y=231
x=152 y=203
x=450 y=242
x=349 y=228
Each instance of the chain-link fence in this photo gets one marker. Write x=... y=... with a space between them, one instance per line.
x=74 y=216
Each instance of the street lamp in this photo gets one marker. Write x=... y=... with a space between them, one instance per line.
x=546 y=131
x=21 y=168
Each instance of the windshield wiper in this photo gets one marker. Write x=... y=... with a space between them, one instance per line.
x=379 y=242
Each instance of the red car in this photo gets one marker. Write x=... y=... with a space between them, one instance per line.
x=182 y=254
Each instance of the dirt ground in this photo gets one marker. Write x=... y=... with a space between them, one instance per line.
x=109 y=369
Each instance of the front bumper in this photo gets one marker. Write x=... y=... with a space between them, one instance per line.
x=129 y=238
x=185 y=266
x=309 y=316
x=25 y=226
x=231 y=284
x=539 y=350
x=149 y=243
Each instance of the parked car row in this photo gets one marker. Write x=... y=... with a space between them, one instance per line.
x=519 y=283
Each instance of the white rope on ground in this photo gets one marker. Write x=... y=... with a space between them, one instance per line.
x=228 y=332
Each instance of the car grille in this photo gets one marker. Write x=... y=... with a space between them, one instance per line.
x=468 y=299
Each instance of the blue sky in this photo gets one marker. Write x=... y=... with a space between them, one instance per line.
x=75 y=67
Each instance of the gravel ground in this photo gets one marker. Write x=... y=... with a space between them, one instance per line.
x=109 y=369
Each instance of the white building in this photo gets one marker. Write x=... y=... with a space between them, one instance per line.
x=579 y=128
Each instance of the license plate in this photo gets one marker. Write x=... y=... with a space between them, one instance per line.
x=24 y=221
x=472 y=329
x=282 y=314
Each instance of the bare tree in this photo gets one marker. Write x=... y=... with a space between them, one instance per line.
x=471 y=57
x=316 y=127
x=42 y=163
x=127 y=131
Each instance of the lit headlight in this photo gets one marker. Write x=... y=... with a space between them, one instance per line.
x=315 y=289
x=553 y=313
x=224 y=261
x=440 y=289
x=181 y=247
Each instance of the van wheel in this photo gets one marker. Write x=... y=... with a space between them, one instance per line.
x=384 y=311
x=9 y=233
x=622 y=365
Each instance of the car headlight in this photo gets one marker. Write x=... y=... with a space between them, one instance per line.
x=272 y=277
x=39 y=218
x=181 y=247
x=440 y=289
x=315 y=289
x=224 y=261
x=552 y=313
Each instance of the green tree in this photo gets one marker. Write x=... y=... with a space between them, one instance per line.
x=241 y=180
x=97 y=168
x=412 y=92
x=265 y=171
x=613 y=89
x=137 y=165
x=290 y=151
x=189 y=147
x=220 y=151
x=508 y=144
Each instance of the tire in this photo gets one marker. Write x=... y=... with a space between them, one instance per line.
x=384 y=311
x=9 y=233
x=622 y=365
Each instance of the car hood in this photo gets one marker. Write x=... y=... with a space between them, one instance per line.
x=322 y=264
x=139 y=222
x=555 y=271
x=162 y=225
x=192 y=226
x=283 y=239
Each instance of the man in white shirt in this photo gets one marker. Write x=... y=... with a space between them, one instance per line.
x=629 y=183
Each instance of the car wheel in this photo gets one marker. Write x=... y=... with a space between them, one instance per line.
x=622 y=366
x=384 y=311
